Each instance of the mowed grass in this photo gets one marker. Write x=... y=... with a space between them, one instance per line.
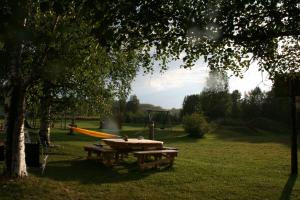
x=229 y=163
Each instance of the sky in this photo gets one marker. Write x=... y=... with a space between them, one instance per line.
x=169 y=88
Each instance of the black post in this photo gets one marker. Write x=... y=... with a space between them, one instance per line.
x=294 y=148
x=71 y=132
x=65 y=120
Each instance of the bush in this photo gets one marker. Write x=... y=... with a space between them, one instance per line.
x=195 y=125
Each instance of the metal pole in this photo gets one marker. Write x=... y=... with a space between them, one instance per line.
x=151 y=130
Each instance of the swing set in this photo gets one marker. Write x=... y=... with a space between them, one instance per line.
x=161 y=118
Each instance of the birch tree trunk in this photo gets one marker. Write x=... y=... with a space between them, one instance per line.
x=45 y=122
x=15 y=165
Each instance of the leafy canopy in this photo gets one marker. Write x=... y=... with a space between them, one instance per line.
x=229 y=34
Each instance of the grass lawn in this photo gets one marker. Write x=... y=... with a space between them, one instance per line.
x=230 y=163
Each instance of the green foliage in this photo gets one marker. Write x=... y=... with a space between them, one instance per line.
x=236 y=104
x=228 y=34
x=215 y=98
x=144 y=107
x=252 y=103
x=276 y=108
x=196 y=125
x=60 y=51
x=215 y=104
x=214 y=101
x=230 y=108
x=191 y=104
x=137 y=117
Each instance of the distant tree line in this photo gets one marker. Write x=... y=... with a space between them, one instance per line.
x=132 y=111
x=216 y=103
x=225 y=105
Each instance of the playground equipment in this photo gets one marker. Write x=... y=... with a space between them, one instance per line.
x=162 y=116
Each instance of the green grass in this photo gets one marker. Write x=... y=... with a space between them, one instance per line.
x=230 y=163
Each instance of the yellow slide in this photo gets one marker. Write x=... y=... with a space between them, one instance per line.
x=93 y=133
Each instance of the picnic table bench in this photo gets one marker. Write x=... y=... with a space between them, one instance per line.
x=149 y=154
x=161 y=157
x=104 y=155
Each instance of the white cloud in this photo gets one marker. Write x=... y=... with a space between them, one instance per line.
x=252 y=78
x=178 y=78
x=168 y=89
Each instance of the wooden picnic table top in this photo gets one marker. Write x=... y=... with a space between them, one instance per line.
x=133 y=143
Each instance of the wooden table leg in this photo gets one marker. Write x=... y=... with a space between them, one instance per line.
x=89 y=156
x=140 y=161
x=108 y=158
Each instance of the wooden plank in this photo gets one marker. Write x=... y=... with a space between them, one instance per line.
x=97 y=149
x=170 y=148
x=106 y=156
x=153 y=164
x=161 y=157
x=133 y=143
x=167 y=151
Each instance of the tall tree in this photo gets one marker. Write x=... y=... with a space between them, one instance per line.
x=276 y=108
x=252 y=103
x=236 y=104
x=31 y=35
x=215 y=105
x=191 y=104
x=217 y=81
x=215 y=98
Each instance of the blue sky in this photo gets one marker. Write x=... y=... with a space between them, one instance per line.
x=169 y=88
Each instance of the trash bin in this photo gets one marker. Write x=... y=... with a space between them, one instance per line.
x=32 y=153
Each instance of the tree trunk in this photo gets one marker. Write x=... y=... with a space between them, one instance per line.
x=45 y=122
x=15 y=138
x=294 y=140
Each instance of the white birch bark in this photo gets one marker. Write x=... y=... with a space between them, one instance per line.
x=14 y=128
x=19 y=166
x=45 y=122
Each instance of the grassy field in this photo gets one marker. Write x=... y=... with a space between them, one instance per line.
x=229 y=163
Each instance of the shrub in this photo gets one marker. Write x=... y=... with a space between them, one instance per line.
x=195 y=125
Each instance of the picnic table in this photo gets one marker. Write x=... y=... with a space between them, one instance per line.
x=132 y=144
x=149 y=153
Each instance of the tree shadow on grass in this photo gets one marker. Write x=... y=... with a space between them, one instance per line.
x=288 y=188
x=92 y=172
x=245 y=134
